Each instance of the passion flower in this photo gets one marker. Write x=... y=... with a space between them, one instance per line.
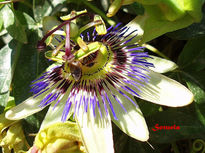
x=96 y=79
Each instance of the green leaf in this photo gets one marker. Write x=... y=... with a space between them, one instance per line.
x=191 y=62
x=30 y=64
x=8 y=58
x=196 y=83
x=197 y=90
x=125 y=144
x=25 y=7
x=120 y=139
x=26 y=20
x=1 y=5
x=46 y=8
x=197 y=87
x=200 y=112
x=162 y=17
x=32 y=123
x=10 y=103
x=192 y=57
x=190 y=127
x=193 y=31
x=13 y=24
x=148 y=108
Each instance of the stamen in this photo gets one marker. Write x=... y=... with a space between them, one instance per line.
x=89 y=25
x=41 y=45
x=57 y=49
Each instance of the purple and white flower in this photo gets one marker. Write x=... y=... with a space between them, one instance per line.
x=99 y=86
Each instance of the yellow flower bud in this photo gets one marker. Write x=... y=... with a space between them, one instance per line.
x=11 y=135
x=59 y=138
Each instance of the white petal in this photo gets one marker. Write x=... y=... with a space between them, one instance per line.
x=135 y=26
x=54 y=115
x=26 y=108
x=96 y=132
x=29 y=106
x=131 y=122
x=161 y=65
x=165 y=91
x=55 y=111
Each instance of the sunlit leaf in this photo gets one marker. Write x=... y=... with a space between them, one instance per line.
x=8 y=59
x=10 y=103
x=162 y=17
x=46 y=8
x=13 y=24
x=26 y=20
x=193 y=31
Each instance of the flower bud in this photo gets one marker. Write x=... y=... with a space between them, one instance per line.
x=57 y=138
x=11 y=135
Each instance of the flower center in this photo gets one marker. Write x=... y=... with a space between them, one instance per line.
x=97 y=63
x=92 y=64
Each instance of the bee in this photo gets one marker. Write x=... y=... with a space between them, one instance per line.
x=75 y=70
x=75 y=66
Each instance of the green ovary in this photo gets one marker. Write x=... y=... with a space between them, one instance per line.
x=100 y=65
x=94 y=63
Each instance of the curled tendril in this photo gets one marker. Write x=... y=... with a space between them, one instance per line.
x=198 y=145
